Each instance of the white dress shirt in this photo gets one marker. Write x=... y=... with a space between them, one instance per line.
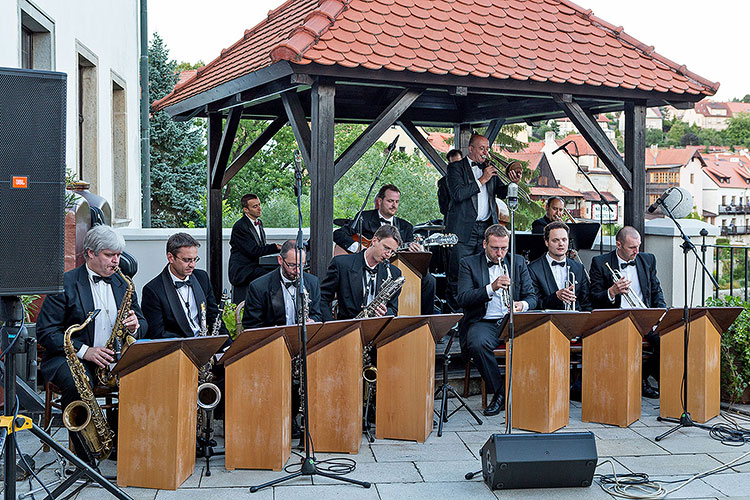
x=255 y=228
x=189 y=306
x=559 y=272
x=104 y=299
x=290 y=295
x=629 y=273
x=483 y=200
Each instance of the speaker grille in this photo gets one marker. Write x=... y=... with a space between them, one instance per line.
x=32 y=146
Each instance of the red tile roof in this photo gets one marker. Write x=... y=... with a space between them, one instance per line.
x=551 y=191
x=583 y=147
x=540 y=40
x=734 y=167
x=721 y=109
x=441 y=141
x=592 y=196
x=671 y=156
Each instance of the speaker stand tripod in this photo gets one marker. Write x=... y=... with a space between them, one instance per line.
x=11 y=314
x=445 y=388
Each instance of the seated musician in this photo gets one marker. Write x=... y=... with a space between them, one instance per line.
x=386 y=206
x=483 y=283
x=271 y=301
x=555 y=207
x=175 y=300
x=550 y=274
x=639 y=281
x=94 y=285
x=355 y=279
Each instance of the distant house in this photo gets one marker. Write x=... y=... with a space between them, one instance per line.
x=726 y=193
x=678 y=167
x=714 y=115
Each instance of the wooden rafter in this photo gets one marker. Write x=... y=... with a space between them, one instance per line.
x=225 y=147
x=424 y=146
x=253 y=149
x=296 y=115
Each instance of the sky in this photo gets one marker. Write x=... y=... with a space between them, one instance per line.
x=710 y=38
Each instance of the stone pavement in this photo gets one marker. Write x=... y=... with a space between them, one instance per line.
x=435 y=469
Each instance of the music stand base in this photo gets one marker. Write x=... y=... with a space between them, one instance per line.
x=683 y=422
x=309 y=469
x=444 y=389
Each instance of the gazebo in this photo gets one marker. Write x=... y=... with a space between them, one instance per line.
x=452 y=63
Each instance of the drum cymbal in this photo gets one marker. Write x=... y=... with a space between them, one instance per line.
x=429 y=227
x=341 y=222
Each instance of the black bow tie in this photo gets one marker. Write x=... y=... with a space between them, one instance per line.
x=383 y=221
x=626 y=264
x=556 y=263
x=106 y=279
x=372 y=272
x=475 y=164
x=180 y=284
x=490 y=264
x=288 y=284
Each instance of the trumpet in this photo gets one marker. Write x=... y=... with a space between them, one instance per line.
x=504 y=293
x=494 y=159
x=633 y=300
x=570 y=282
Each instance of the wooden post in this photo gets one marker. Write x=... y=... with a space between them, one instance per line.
x=461 y=136
x=322 y=175
x=635 y=161
x=213 y=214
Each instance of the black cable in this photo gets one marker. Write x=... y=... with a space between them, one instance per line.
x=18 y=334
x=18 y=449
x=337 y=466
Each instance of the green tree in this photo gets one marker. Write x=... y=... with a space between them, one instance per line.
x=178 y=156
x=654 y=136
x=540 y=131
x=738 y=131
x=185 y=66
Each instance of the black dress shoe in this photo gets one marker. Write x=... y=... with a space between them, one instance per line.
x=496 y=405
x=296 y=429
x=649 y=392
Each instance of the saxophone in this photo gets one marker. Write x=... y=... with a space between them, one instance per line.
x=85 y=416
x=209 y=393
x=388 y=289
x=120 y=339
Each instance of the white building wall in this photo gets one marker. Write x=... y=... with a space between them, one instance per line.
x=108 y=29
x=693 y=170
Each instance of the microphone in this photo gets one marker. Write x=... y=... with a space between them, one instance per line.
x=392 y=145
x=652 y=208
x=562 y=147
x=297 y=160
x=512 y=196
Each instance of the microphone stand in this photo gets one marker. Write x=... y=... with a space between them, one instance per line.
x=602 y=200
x=356 y=224
x=308 y=466
x=512 y=199
x=687 y=247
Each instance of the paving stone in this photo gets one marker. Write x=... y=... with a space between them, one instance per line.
x=96 y=493
x=743 y=465
x=690 y=441
x=695 y=489
x=475 y=489
x=420 y=452
x=454 y=471
x=221 y=478
x=628 y=447
x=380 y=473
x=328 y=492
x=593 y=492
x=737 y=484
x=215 y=494
x=670 y=464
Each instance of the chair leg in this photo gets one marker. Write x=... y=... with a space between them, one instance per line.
x=484 y=395
x=47 y=411
x=467 y=374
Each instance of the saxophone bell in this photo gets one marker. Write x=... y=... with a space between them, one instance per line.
x=370 y=374
x=209 y=396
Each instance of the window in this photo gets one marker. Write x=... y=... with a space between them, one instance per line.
x=27 y=49
x=88 y=118
x=36 y=44
x=692 y=178
x=402 y=149
x=119 y=150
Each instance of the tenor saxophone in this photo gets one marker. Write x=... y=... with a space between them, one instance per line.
x=388 y=289
x=85 y=416
x=120 y=339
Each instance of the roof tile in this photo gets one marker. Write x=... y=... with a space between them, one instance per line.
x=544 y=40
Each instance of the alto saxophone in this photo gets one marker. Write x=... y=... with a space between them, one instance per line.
x=388 y=289
x=209 y=394
x=85 y=416
x=120 y=339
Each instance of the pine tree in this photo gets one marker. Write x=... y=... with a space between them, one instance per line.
x=178 y=153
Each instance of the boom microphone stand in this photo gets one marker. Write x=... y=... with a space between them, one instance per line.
x=687 y=247
x=308 y=467
x=512 y=199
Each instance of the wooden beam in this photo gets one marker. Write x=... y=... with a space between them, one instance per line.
x=424 y=146
x=322 y=175
x=225 y=147
x=253 y=149
x=296 y=115
x=595 y=136
x=213 y=212
x=461 y=136
x=373 y=132
x=634 y=209
x=493 y=129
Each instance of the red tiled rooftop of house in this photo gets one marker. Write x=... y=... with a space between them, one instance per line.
x=735 y=168
x=546 y=192
x=539 y=40
x=441 y=141
x=592 y=196
x=671 y=156
x=721 y=109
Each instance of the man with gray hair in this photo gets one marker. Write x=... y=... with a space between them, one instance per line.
x=94 y=285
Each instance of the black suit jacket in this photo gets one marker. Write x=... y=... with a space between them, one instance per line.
x=371 y=223
x=264 y=304
x=545 y=285
x=163 y=308
x=344 y=281
x=71 y=307
x=463 y=189
x=443 y=195
x=473 y=278
x=537 y=227
x=246 y=248
x=601 y=280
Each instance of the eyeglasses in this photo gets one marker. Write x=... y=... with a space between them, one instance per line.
x=292 y=265
x=187 y=261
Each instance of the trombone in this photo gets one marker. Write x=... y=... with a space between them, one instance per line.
x=494 y=159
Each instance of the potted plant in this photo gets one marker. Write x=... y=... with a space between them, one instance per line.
x=735 y=352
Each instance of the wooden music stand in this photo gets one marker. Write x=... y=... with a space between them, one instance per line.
x=158 y=410
x=541 y=368
x=413 y=266
x=704 y=361
x=257 y=396
x=406 y=375
x=334 y=392
x=612 y=351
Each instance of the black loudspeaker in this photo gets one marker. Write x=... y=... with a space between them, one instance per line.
x=511 y=461
x=32 y=181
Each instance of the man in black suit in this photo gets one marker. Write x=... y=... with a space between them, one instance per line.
x=443 y=195
x=555 y=207
x=271 y=299
x=386 y=206
x=483 y=294
x=550 y=273
x=473 y=186
x=638 y=271
x=246 y=246
x=94 y=285
x=355 y=279
x=179 y=301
